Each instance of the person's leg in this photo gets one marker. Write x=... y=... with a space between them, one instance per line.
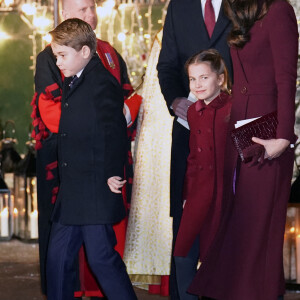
x=186 y=268
x=179 y=154
x=64 y=245
x=106 y=263
x=45 y=185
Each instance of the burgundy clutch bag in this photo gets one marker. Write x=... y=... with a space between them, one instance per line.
x=263 y=128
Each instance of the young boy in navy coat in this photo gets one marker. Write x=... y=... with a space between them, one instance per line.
x=91 y=156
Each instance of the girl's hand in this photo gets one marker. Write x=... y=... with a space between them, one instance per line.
x=115 y=183
x=274 y=147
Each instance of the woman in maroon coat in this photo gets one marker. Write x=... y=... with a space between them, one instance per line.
x=245 y=261
x=208 y=119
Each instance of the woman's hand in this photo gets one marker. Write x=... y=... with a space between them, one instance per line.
x=115 y=183
x=274 y=147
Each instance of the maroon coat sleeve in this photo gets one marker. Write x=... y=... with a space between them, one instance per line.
x=283 y=36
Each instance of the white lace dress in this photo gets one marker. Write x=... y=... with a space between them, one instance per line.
x=149 y=231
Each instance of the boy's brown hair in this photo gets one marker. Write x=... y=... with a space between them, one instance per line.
x=74 y=33
x=216 y=63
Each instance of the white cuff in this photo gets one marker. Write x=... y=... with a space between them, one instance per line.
x=127 y=115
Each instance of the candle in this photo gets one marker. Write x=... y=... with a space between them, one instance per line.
x=4 y=222
x=16 y=221
x=298 y=257
x=34 y=225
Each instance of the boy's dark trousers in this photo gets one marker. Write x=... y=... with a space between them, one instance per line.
x=105 y=262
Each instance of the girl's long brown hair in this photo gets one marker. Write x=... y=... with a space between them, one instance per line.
x=216 y=62
x=243 y=14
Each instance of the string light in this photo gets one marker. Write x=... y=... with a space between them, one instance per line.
x=47 y=37
x=28 y=9
x=121 y=36
x=41 y=22
x=8 y=2
x=4 y=36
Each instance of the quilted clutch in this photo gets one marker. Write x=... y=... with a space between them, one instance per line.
x=263 y=128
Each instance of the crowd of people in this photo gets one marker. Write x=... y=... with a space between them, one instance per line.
x=200 y=220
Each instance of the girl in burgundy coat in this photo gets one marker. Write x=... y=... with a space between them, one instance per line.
x=245 y=260
x=208 y=119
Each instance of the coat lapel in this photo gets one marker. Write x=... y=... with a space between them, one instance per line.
x=196 y=15
x=95 y=59
x=222 y=23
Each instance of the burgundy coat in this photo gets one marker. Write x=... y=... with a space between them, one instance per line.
x=204 y=175
x=245 y=261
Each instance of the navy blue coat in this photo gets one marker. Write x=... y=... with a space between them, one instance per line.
x=91 y=148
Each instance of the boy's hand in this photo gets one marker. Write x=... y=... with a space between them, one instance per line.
x=115 y=183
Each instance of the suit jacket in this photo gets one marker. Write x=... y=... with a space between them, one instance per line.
x=91 y=148
x=184 y=35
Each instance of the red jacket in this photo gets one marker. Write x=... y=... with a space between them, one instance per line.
x=204 y=175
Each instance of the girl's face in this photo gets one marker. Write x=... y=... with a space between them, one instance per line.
x=205 y=84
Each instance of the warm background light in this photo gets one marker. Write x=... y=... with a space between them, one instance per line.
x=29 y=9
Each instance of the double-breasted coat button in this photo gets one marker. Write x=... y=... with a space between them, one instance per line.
x=66 y=104
x=199 y=131
x=244 y=90
x=200 y=113
x=199 y=149
x=64 y=164
x=63 y=134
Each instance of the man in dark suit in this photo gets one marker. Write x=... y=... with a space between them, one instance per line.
x=190 y=26
x=91 y=156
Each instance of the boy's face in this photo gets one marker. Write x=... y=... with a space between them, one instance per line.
x=68 y=60
x=204 y=83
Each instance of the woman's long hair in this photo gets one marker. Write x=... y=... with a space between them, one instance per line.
x=243 y=14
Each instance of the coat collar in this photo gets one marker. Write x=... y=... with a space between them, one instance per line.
x=217 y=103
x=91 y=64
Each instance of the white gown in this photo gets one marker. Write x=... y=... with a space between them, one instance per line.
x=149 y=232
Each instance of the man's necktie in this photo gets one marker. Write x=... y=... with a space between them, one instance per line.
x=75 y=78
x=209 y=17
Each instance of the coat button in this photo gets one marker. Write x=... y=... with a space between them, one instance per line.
x=63 y=134
x=200 y=168
x=64 y=164
x=200 y=113
x=66 y=105
x=244 y=90
x=199 y=131
x=199 y=149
